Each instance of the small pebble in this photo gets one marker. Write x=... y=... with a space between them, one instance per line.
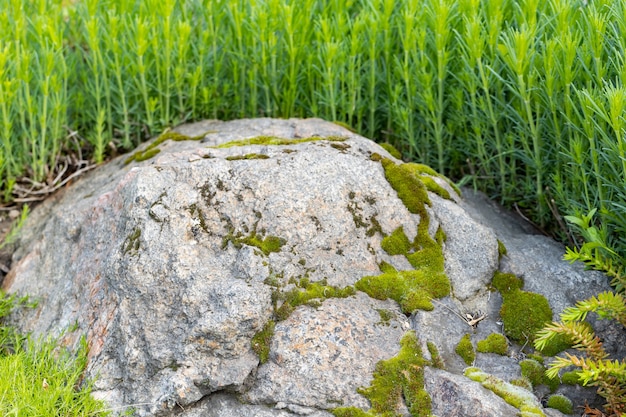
x=14 y=214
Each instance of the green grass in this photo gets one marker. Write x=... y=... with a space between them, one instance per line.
x=39 y=377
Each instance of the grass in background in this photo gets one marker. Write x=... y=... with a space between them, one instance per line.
x=522 y=99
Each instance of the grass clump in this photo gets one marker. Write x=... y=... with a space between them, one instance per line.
x=395 y=381
x=494 y=343
x=465 y=349
x=40 y=378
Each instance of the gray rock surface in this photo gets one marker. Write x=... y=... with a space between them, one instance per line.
x=159 y=264
x=471 y=399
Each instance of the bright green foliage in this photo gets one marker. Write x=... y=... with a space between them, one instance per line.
x=261 y=341
x=494 y=343
x=561 y=403
x=396 y=379
x=595 y=367
x=465 y=350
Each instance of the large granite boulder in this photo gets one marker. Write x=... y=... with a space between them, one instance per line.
x=275 y=268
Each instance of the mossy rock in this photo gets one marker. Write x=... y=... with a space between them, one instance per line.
x=505 y=283
x=396 y=243
x=561 y=403
x=465 y=349
x=494 y=343
x=397 y=380
x=524 y=314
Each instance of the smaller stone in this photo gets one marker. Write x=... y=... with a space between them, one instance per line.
x=14 y=214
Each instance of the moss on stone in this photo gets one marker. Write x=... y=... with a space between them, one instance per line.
x=345 y=126
x=505 y=283
x=515 y=396
x=396 y=381
x=247 y=156
x=561 y=403
x=524 y=314
x=424 y=171
x=465 y=349
x=152 y=149
x=435 y=358
x=261 y=341
x=533 y=370
x=571 y=378
x=306 y=293
x=351 y=412
x=267 y=244
x=523 y=382
x=342 y=147
x=412 y=289
x=501 y=249
x=396 y=243
x=391 y=149
x=276 y=141
x=494 y=343
x=132 y=242
x=385 y=316
x=408 y=186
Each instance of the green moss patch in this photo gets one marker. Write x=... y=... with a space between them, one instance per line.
x=276 y=141
x=260 y=343
x=535 y=372
x=153 y=149
x=465 y=349
x=524 y=314
x=412 y=289
x=397 y=243
x=435 y=357
x=393 y=151
x=396 y=381
x=305 y=293
x=267 y=244
x=132 y=242
x=494 y=343
x=515 y=396
x=247 y=156
x=506 y=283
x=561 y=403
